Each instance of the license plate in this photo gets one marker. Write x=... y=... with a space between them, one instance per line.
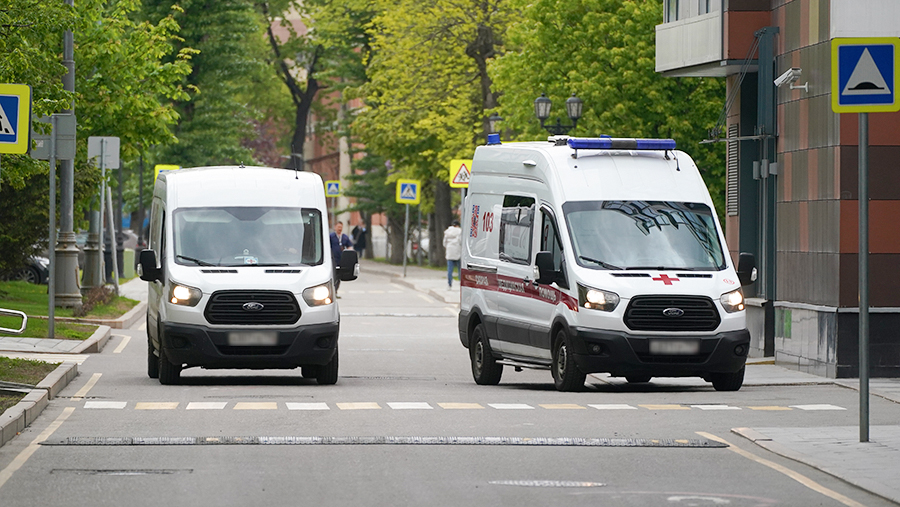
x=674 y=347
x=251 y=338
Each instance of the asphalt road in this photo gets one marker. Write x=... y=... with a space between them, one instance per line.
x=406 y=425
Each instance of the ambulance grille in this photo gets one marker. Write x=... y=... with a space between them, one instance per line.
x=227 y=307
x=645 y=313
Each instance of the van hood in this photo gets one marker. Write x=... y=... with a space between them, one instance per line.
x=628 y=284
x=211 y=279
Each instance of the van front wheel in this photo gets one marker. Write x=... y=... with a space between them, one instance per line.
x=169 y=372
x=727 y=381
x=485 y=369
x=328 y=374
x=566 y=375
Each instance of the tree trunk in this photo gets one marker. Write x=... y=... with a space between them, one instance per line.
x=395 y=236
x=370 y=245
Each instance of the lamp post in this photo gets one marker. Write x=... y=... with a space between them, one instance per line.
x=574 y=105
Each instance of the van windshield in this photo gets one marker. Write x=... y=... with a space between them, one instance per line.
x=247 y=236
x=644 y=235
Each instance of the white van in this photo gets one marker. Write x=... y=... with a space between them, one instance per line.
x=241 y=273
x=598 y=255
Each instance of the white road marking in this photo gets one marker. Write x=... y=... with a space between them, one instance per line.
x=613 y=406
x=143 y=326
x=87 y=387
x=26 y=453
x=413 y=405
x=715 y=407
x=206 y=405
x=121 y=347
x=116 y=405
x=451 y=310
x=510 y=406
x=426 y=298
x=821 y=406
x=307 y=406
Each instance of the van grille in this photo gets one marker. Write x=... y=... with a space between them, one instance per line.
x=227 y=307
x=645 y=313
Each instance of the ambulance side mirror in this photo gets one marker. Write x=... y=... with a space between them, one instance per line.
x=746 y=270
x=543 y=261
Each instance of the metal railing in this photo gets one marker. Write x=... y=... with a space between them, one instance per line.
x=14 y=313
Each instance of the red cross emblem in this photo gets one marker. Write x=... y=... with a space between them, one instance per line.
x=665 y=279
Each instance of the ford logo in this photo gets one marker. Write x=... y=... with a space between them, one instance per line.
x=253 y=306
x=673 y=312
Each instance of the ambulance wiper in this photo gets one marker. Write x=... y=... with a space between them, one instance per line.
x=653 y=268
x=604 y=264
x=196 y=261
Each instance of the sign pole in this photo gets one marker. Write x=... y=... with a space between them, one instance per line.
x=51 y=310
x=405 y=238
x=102 y=245
x=863 y=277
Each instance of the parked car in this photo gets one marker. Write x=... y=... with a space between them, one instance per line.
x=37 y=270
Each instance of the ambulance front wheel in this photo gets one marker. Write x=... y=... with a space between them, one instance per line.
x=566 y=375
x=485 y=369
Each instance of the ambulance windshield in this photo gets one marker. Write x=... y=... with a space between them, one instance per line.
x=644 y=235
x=248 y=236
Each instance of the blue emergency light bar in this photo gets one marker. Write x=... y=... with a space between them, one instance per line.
x=610 y=143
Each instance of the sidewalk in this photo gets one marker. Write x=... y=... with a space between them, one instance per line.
x=429 y=281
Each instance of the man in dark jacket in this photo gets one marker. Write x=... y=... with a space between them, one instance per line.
x=359 y=238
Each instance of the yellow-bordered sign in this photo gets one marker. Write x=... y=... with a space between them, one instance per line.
x=158 y=168
x=332 y=188
x=15 y=118
x=460 y=171
x=409 y=191
x=864 y=74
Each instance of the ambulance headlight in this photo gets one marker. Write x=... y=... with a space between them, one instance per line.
x=596 y=299
x=318 y=295
x=184 y=295
x=733 y=301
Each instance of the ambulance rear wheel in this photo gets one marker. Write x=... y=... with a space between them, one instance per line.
x=566 y=375
x=485 y=369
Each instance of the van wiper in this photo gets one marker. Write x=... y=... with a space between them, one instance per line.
x=197 y=261
x=270 y=265
x=604 y=264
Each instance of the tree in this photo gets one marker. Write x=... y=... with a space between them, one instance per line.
x=374 y=194
x=428 y=90
x=227 y=73
x=604 y=50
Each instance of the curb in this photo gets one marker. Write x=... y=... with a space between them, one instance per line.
x=125 y=321
x=95 y=343
x=22 y=414
x=396 y=278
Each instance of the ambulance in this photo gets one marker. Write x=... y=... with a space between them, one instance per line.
x=590 y=255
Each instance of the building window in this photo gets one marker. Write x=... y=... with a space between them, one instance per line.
x=705 y=6
x=671 y=10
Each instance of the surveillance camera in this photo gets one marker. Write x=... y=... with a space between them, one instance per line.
x=790 y=76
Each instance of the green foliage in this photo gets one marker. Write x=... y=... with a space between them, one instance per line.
x=226 y=72
x=604 y=50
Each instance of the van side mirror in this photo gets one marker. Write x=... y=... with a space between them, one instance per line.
x=349 y=266
x=746 y=270
x=543 y=261
x=147 y=266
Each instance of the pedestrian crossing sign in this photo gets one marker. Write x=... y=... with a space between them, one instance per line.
x=864 y=76
x=460 y=171
x=15 y=118
x=161 y=168
x=409 y=191
x=332 y=188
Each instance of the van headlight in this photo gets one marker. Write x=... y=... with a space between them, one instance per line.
x=184 y=295
x=319 y=295
x=733 y=301
x=597 y=299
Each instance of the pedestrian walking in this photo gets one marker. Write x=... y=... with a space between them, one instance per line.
x=452 y=249
x=358 y=234
x=339 y=243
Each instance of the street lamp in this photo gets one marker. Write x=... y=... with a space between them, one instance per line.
x=574 y=105
x=493 y=121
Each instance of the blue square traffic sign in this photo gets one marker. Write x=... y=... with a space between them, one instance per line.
x=9 y=118
x=864 y=74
